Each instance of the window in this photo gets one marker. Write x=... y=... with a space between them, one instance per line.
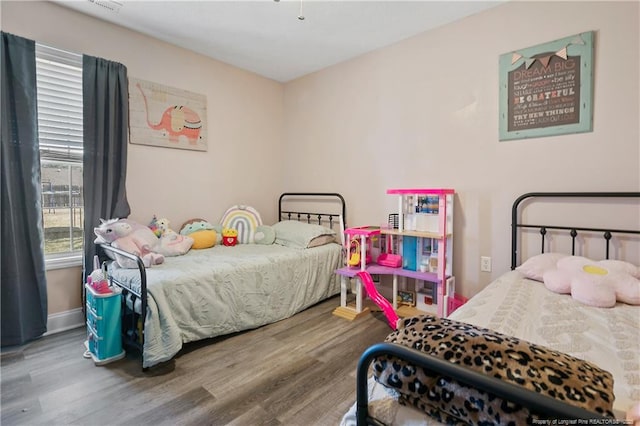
x=59 y=87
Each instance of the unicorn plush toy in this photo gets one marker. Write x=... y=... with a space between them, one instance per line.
x=132 y=238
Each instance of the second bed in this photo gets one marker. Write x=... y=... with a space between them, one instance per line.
x=518 y=304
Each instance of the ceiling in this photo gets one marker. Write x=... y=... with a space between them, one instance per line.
x=268 y=38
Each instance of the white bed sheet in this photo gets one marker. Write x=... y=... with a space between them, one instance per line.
x=221 y=290
x=514 y=305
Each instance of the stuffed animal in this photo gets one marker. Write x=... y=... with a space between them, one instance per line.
x=159 y=226
x=592 y=283
x=171 y=243
x=202 y=232
x=244 y=219
x=264 y=234
x=163 y=226
x=247 y=223
x=130 y=237
x=229 y=237
x=154 y=225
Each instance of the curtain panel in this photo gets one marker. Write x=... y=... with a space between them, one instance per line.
x=106 y=130
x=24 y=285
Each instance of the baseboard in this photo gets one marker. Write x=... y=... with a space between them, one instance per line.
x=63 y=321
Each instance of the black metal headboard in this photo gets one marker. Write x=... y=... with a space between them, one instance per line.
x=333 y=197
x=573 y=231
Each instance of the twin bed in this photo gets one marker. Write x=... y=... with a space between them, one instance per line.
x=221 y=290
x=516 y=304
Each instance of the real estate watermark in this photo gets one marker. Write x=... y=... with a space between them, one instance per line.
x=581 y=422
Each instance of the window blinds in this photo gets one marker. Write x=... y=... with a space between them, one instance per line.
x=59 y=96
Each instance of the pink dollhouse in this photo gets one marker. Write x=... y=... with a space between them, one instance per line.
x=424 y=238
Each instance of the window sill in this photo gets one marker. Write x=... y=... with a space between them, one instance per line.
x=63 y=261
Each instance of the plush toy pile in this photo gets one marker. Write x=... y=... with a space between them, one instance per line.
x=152 y=243
x=248 y=227
x=140 y=240
x=239 y=225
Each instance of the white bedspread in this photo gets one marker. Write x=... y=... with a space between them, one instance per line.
x=514 y=305
x=221 y=290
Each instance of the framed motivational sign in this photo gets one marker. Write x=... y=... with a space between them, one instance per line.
x=547 y=89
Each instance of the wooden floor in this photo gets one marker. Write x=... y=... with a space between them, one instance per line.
x=299 y=371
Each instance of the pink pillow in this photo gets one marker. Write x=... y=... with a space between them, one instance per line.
x=621 y=265
x=535 y=267
x=592 y=283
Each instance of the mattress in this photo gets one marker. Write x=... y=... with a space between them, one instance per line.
x=514 y=305
x=221 y=290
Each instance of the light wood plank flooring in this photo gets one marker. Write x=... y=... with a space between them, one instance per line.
x=299 y=371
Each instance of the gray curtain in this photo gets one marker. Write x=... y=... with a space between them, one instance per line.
x=106 y=128
x=24 y=285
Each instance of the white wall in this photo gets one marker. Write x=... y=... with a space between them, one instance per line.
x=244 y=118
x=424 y=113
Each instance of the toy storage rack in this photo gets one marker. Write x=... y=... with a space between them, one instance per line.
x=104 y=343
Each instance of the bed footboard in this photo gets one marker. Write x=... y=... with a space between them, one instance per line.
x=133 y=301
x=549 y=407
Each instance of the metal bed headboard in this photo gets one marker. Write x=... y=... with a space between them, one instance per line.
x=573 y=230
x=300 y=216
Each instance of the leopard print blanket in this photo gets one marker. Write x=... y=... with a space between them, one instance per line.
x=534 y=367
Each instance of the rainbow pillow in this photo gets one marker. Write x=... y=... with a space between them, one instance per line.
x=244 y=219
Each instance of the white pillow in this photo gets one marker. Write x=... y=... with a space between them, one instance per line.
x=322 y=240
x=294 y=234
